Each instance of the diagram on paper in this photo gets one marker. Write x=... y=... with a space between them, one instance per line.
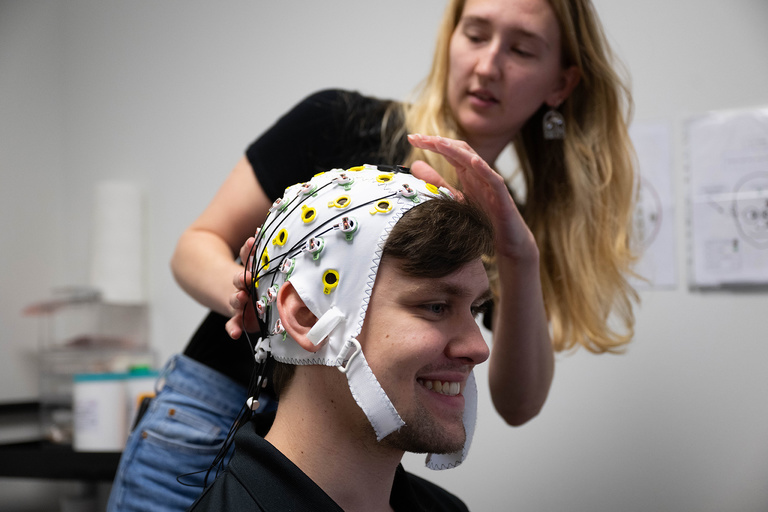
x=655 y=209
x=728 y=176
x=649 y=214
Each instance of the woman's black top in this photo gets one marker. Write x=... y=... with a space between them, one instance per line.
x=330 y=129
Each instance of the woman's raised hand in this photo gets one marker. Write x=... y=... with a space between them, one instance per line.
x=483 y=186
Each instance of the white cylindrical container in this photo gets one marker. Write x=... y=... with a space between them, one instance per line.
x=100 y=412
x=139 y=384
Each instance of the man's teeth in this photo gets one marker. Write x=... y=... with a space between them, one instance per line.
x=444 y=388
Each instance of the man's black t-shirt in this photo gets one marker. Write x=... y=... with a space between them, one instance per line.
x=260 y=477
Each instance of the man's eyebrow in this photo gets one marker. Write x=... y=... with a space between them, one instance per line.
x=487 y=296
x=456 y=290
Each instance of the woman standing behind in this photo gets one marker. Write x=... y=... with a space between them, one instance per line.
x=535 y=73
x=502 y=72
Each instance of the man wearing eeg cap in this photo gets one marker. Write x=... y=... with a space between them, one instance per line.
x=366 y=281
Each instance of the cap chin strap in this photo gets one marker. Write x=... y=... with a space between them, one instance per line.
x=451 y=460
x=367 y=391
x=383 y=416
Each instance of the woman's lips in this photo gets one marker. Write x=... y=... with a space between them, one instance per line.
x=483 y=96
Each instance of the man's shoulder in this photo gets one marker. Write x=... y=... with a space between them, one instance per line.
x=259 y=477
x=413 y=493
x=227 y=493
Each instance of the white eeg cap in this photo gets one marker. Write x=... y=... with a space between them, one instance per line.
x=326 y=236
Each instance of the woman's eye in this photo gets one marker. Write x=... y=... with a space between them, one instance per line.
x=474 y=36
x=521 y=52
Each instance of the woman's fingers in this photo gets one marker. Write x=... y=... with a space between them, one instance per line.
x=424 y=171
x=457 y=152
x=240 y=306
x=245 y=250
x=473 y=172
x=234 y=326
x=481 y=183
x=242 y=313
x=241 y=280
x=237 y=301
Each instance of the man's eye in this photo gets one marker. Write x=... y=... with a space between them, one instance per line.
x=481 y=309
x=435 y=309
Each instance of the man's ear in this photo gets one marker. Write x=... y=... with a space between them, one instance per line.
x=296 y=317
x=569 y=79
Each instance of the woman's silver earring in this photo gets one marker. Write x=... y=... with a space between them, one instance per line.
x=554 y=125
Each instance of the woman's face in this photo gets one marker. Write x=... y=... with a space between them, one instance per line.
x=504 y=63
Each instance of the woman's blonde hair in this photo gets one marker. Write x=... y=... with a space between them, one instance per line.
x=579 y=200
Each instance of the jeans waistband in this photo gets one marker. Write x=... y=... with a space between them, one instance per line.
x=187 y=376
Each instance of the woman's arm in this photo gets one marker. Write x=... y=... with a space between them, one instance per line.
x=522 y=358
x=204 y=260
x=299 y=144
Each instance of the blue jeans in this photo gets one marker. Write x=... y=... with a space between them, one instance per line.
x=178 y=437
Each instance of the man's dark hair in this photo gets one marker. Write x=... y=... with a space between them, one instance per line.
x=438 y=237
x=432 y=239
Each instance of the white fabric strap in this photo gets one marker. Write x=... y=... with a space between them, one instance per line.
x=451 y=460
x=371 y=397
x=325 y=325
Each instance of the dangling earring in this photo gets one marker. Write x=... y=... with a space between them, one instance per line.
x=554 y=125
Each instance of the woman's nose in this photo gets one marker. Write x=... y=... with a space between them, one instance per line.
x=487 y=64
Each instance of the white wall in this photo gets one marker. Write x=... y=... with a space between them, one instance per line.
x=31 y=175
x=170 y=93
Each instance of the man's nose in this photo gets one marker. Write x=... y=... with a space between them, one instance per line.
x=467 y=343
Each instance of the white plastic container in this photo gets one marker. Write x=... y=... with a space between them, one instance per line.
x=139 y=384
x=100 y=412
